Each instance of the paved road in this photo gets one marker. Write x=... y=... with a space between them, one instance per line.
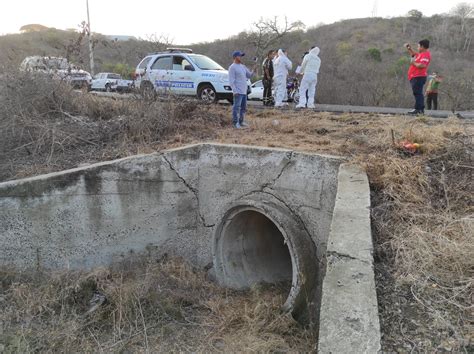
x=326 y=107
x=378 y=110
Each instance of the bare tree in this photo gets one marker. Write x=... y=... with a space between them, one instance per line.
x=74 y=47
x=464 y=11
x=459 y=92
x=268 y=31
x=157 y=43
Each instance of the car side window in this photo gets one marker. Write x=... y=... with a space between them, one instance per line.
x=144 y=63
x=162 y=63
x=180 y=63
x=258 y=84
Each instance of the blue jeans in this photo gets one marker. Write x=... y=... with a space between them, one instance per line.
x=417 y=84
x=239 y=108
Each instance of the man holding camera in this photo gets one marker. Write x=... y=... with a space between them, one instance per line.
x=418 y=72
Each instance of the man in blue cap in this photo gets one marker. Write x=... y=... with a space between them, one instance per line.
x=238 y=76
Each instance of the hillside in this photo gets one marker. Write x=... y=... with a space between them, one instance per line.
x=363 y=60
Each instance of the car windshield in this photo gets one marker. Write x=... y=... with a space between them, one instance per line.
x=114 y=76
x=205 y=63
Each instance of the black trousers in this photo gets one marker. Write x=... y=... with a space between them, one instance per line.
x=432 y=98
x=417 y=84
x=267 y=92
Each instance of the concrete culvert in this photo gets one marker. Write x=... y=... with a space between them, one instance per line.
x=255 y=214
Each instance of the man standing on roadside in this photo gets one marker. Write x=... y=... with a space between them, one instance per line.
x=238 y=76
x=268 y=78
x=418 y=72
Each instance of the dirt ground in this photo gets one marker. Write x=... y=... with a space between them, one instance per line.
x=422 y=210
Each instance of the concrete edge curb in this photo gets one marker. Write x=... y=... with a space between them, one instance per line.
x=349 y=321
x=14 y=182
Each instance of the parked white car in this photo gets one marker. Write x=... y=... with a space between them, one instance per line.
x=111 y=82
x=57 y=68
x=180 y=71
x=256 y=93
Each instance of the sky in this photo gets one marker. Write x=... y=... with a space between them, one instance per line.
x=186 y=21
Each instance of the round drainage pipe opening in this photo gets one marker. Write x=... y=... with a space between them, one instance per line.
x=251 y=248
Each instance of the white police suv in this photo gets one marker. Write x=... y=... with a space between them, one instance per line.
x=180 y=71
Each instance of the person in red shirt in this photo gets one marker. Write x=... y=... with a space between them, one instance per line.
x=418 y=72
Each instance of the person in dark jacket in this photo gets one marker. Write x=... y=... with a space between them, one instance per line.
x=268 y=78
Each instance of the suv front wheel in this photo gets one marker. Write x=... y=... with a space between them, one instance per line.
x=207 y=93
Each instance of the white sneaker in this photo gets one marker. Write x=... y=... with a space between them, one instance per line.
x=312 y=107
x=299 y=106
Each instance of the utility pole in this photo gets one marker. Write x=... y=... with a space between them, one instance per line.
x=89 y=36
x=375 y=8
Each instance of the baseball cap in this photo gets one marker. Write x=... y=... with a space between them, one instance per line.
x=237 y=53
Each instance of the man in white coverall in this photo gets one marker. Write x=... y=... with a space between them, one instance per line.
x=281 y=66
x=309 y=70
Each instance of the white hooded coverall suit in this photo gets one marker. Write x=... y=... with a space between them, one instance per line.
x=281 y=66
x=309 y=69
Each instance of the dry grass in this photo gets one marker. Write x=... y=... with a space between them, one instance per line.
x=422 y=210
x=47 y=126
x=145 y=306
x=422 y=215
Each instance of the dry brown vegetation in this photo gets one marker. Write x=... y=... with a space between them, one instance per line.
x=45 y=125
x=142 y=305
x=422 y=217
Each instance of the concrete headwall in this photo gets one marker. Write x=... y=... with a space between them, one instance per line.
x=170 y=201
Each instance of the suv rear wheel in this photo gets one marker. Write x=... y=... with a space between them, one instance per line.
x=207 y=93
